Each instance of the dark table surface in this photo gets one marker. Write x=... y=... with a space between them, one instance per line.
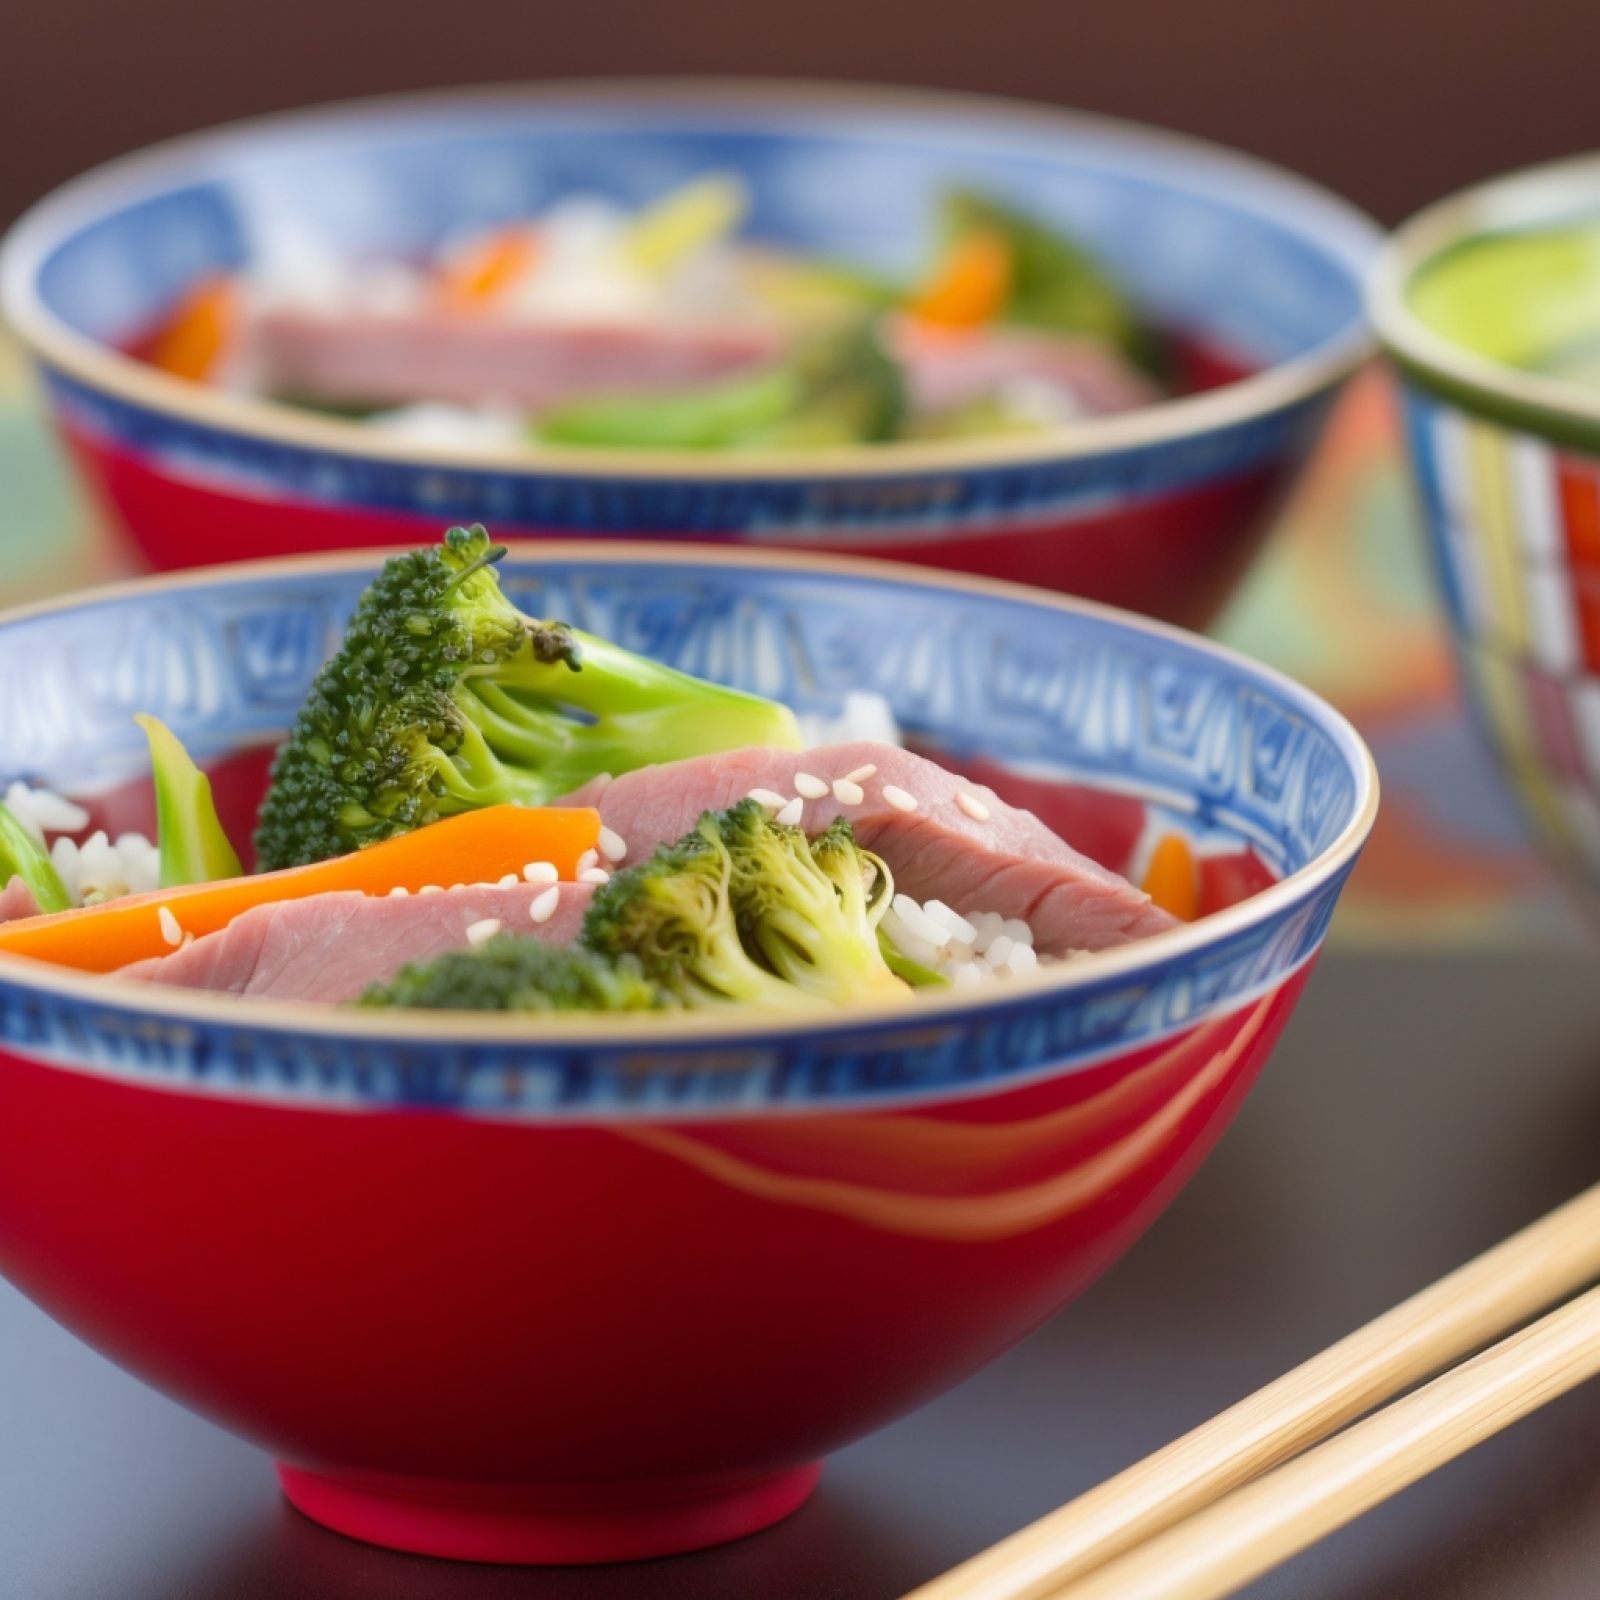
x=1419 y=1108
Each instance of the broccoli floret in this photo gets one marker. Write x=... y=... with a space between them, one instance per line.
x=22 y=856
x=740 y=911
x=443 y=697
x=674 y=914
x=862 y=879
x=808 y=912
x=865 y=888
x=194 y=848
x=836 y=387
x=521 y=974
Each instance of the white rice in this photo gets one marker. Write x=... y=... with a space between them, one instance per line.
x=42 y=811
x=980 y=947
x=95 y=869
x=863 y=716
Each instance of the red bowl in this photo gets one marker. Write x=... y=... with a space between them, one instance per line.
x=576 y=1290
x=488 y=1339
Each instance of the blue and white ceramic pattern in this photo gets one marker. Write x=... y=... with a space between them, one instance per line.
x=980 y=670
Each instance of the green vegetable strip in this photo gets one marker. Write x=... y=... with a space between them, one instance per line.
x=22 y=856
x=1055 y=284
x=839 y=387
x=194 y=848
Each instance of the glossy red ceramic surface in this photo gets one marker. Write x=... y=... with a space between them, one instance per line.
x=522 y=1340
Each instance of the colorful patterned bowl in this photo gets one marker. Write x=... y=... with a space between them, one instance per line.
x=1159 y=509
x=1468 y=298
x=573 y=1291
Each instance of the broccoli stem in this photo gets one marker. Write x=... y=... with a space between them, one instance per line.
x=917 y=975
x=522 y=742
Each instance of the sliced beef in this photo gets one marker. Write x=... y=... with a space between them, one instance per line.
x=946 y=368
x=1007 y=862
x=332 y=946
x=16 y=900
x=378 y=359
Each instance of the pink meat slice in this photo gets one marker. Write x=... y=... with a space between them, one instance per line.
x=389 y=359
x=16 y=900
x=1009 y=862
x=946 y=368
x=332 y=946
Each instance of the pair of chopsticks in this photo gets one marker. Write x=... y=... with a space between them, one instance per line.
x=1263 y=1480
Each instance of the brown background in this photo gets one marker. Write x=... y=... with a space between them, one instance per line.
x=1392 y=102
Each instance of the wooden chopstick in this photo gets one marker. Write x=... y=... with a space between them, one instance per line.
x=1251 y=1530
x=1544 y=1263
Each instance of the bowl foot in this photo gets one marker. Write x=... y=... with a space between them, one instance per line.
x=545 y=1525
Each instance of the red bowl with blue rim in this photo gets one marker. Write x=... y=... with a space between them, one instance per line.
x=572 y=1290
x=1253 y=275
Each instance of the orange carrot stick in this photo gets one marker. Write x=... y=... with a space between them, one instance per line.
x=189 y=345
x=488 y=267
x=970 y=286
x=1172 y=880
x=475 y=847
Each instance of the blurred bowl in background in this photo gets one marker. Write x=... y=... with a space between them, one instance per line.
x=1257 y=273
x=1489 y=304
x=563 y=1289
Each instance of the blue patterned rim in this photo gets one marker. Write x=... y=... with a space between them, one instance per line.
x=1264 y=263
x=224 y=655
x=893 y=504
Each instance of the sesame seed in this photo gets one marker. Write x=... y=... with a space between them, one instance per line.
x=594 y=875
x=848 y=792
x=430 y=888
x=791 y=813
x=399 y=892
x=612 y=845
x=541 y=872
x=972 y=805
x=510 y=881
x=589 y=858
x=188 y=939
x=544 y=907
x=809 y=786
x=861 y=774
x=170 y=931
x=899 y=798
x=483 y=932
x=765 y=797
